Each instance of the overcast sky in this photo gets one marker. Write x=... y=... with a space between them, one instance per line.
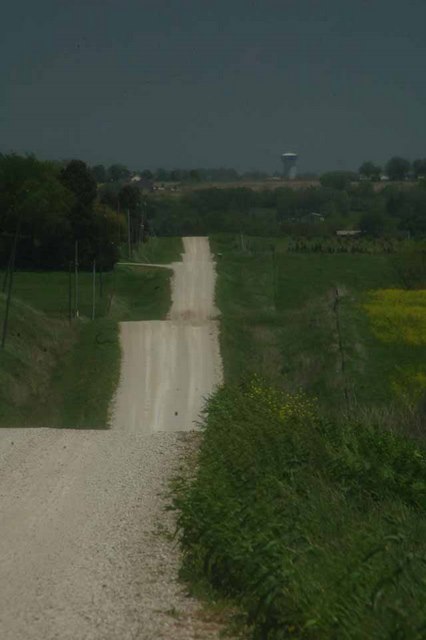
x=195 y=83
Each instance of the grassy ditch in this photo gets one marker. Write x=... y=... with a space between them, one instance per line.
x=316 y=529
x=84 y=380
x=62 y=374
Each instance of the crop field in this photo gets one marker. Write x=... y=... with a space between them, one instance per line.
x=317 y=244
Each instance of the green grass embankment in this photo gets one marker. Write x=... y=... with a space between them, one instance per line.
x=163 y=250
x=316 y=529
x=61 y=374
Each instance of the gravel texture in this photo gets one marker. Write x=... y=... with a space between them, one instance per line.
x=169 y=367
x=85 y=545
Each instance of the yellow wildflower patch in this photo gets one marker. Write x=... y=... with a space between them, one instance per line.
x=398 y=315
x=410 y=384
x=286 y=406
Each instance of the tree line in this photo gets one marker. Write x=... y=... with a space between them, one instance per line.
x=119 y=173
x=55 y=209
x=395 y=169
x=321 y=210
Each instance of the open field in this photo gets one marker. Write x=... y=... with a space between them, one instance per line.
x=261 y=185
x=256 y=185
x=300 y=320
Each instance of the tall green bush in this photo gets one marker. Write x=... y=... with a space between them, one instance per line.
x=316 y=529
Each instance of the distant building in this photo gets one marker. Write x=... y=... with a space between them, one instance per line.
x=289 y=161
x=313 y=217
x=144 y=184
x=348 y=232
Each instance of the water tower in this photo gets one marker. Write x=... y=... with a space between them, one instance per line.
x=290 y=165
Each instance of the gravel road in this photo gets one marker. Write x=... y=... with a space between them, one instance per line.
x=169 y=366
x=83 y=550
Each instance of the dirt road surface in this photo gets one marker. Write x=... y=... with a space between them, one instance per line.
x=83 y=554
x=170 y=366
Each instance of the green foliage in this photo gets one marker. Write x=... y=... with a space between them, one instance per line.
x=397 y=168
x=316 y=529
x=370 y=170
x=310 y=211
x=373 y=223
x=34 y=345
x=61 y=374
x=340 y=180
x=419 y=168
x=157 y=251
x=279 y=320
x=99 y=173
x=84 y=380
x=53 y=208
x=411 y=266
x=117 y=172
x=129 y=197
x=76 y=176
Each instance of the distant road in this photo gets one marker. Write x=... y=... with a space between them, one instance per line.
x=170 y=366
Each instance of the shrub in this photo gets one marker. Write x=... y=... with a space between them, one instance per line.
x=316 y=528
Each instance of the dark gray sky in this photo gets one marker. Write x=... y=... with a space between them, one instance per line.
x=186 y=83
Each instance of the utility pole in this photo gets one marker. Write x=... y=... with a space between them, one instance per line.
x=70 y=291
x=76 y=278
x=274 y=276
x=6 y=274
x=94 y=291
x=128 y=234
x=10 y=282
x=101 y=288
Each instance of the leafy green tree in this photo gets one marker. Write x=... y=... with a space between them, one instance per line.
x=147 y=174
x=117 y=172
x=194 y=175
x=397 y=168
x=108 y=195
x=340 y=180
x=177 y=175
x=370 y=170
x=109 y=230
x=30 y=190
x=129 y=197
x=373 y=223
x=78 y=178
x=162 y=175
x=99 y=173
x=419 y=168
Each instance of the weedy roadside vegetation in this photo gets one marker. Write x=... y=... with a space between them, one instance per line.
x=316 y=528
x=307 y=507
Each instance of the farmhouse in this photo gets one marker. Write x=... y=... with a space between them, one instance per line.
x=348 y=232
